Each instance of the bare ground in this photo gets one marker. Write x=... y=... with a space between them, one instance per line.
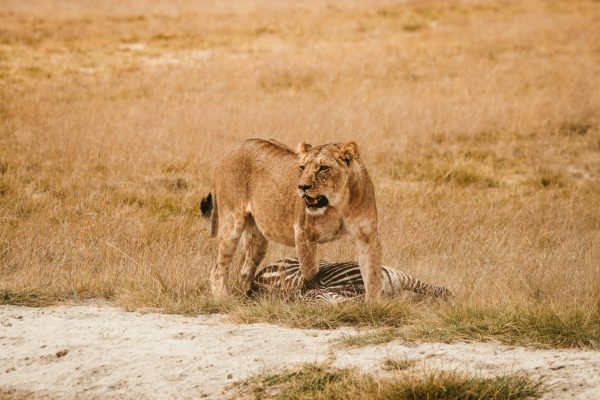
x=103 y=352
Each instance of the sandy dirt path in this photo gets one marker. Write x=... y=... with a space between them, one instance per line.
x=101 y=352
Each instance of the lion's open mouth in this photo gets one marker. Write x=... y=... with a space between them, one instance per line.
x=315 y=202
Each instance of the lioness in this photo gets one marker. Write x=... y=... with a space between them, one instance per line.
x=266 y=191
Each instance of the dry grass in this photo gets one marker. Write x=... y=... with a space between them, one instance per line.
x=322 y=382
x=402 y=364
x=479 y=122
x=325 y=316
x=536 y=326
x=372 y=337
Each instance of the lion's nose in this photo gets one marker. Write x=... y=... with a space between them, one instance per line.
x=304 y=186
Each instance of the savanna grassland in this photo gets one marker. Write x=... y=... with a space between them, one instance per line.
x=479 y=122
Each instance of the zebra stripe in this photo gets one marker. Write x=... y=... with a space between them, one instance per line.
x=335 y=282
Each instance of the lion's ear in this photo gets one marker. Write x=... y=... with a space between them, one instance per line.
x=349 y=152
x=304 y=148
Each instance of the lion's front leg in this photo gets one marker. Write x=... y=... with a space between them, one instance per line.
x=306 y=251
x=369 y=260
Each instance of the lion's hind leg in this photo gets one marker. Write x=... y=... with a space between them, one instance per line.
x=230 y=230
x=255 y=247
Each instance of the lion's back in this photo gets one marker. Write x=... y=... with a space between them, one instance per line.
x=260 y=177
x=253 y=161
x=253 y=150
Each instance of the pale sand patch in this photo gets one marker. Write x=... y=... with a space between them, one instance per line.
x=101 y=352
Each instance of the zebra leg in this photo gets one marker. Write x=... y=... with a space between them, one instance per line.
x=255 y=247
x=431 y=290
x=230 y=230
x=396 y=281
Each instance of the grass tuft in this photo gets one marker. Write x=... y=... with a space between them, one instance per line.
x=390 y=364
x=325 y=316
x=369 y=338
x=548 y=178
x=4 y=167
x=538 y=326
x=412 y=27
x=320 y=382
x=31 y=297
x=448 y=385
x=575 y=128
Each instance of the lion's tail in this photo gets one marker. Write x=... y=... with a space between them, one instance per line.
x=208 y=208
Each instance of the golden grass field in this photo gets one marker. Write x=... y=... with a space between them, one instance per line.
x=479 y=122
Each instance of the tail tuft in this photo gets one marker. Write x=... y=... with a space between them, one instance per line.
x=206 y=206
x=209 y=211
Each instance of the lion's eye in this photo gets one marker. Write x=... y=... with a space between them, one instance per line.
x=323 y=168
x=302 y=168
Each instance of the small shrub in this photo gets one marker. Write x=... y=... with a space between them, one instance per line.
x=547 y=178
x=575 y=128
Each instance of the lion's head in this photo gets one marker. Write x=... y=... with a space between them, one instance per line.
x=324 y=173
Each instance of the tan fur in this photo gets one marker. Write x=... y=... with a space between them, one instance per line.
x=257 y=197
